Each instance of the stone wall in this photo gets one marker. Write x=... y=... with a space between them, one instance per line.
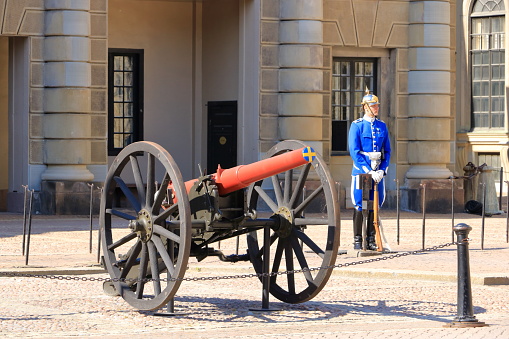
x=21 y=17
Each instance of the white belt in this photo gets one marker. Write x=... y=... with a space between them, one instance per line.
x=374 y=157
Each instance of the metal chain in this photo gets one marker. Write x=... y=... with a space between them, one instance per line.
x=238 y=276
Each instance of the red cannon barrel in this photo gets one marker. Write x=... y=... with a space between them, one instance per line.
x=233 y=179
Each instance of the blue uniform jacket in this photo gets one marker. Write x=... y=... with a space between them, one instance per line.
x=366 y=136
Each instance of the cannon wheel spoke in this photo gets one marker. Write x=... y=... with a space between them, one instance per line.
x=287 y=186
x=140 y=188
x=300 y=185
x=142 y=271
x=308 y=238
x=165 y=256
x=277 y=258
x=290 y=267
x=277 y=189
x=136 y=249
x=137 y=246
x=135 y=203
x=154 y=268
x=302 y=260
x=314 y=247
x=265 y=197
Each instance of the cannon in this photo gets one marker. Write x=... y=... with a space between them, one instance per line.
x=152 y=222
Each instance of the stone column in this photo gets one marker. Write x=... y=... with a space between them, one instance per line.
x=301 y=76
x=67 y=91
x=292 y=86
x=430 y=123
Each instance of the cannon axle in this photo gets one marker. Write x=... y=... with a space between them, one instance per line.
x=284 y=222
x=142 y=225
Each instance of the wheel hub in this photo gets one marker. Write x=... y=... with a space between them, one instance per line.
x=285 y=222
x=142 y=225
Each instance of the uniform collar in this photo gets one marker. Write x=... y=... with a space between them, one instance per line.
x=368 y=118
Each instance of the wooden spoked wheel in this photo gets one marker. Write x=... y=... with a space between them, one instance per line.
x=145 y=247
x=303 y=203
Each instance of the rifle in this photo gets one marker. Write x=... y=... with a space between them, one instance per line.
x=378 y=236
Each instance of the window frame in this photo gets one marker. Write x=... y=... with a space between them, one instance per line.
x=137 y=99
x=491 y=64
x=355 y=107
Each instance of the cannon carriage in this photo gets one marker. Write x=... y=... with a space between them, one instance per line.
x=147 y=242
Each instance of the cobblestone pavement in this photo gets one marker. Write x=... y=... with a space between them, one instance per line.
x=407 y=297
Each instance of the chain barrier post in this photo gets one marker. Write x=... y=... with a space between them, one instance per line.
x=397 y=210
x=338 y=184
x=500 y=185
x=452 y=208
x=90 y=214
x=25 y=187
x=29 y=225
x=507 y=215
x=483 y=213
x=465 y=316
x=99 y=236
x=423 y=214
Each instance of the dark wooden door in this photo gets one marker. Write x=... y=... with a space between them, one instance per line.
x=222 y=135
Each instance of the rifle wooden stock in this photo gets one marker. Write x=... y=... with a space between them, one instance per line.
x=378 y=236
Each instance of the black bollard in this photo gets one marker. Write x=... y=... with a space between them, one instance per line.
x=465 y=317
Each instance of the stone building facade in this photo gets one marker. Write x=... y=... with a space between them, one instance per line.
x=291 y=69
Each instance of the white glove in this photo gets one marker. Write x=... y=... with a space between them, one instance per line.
x=376 y=175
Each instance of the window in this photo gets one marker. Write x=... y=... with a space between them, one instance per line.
x=490 y=159
x=125 y=98
x=350 y=78
x=487 y=49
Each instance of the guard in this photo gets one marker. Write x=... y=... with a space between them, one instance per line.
x=370 y=150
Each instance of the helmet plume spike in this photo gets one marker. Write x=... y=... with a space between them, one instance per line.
x=369 y=99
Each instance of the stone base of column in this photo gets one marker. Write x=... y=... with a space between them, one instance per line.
x=68 y=198
x=438 y=196
x=67 y=173
x=428 y=172
x=58 y=198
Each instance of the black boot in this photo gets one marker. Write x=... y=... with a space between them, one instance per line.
x=357 y=230
x=370 y=233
